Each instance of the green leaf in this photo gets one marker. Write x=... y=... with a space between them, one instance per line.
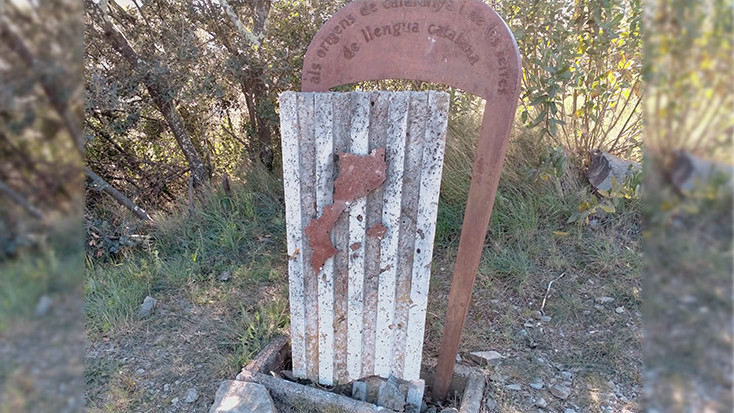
x=608 y=208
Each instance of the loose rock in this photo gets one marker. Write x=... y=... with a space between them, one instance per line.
x=225 y=276
x=390 y=395
x=242 y=397
x=491 y=357
x=44 y=304
x=541 y=403
x=191 y=395
x=515 y=387
x=604 y=300
x=147 y=307
x=537 y=385
x=449 y=410
x=560 y=391
x=619 y=310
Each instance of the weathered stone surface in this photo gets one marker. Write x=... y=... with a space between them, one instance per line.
x=191 y=395
x=560 y=391
x=242 y=397
x=491 y=357
x=689 y=173
x=605 y=166
x=390 y=395
x=147 y=307
x=389 y=231
x=44 y=304
x=359 y=390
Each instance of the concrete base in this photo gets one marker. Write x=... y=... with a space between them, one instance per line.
x=264 y=369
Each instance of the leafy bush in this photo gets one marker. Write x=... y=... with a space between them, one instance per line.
x=582 y=64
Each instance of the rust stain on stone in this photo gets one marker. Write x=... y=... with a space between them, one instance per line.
x=377 y=231
x=358 y=176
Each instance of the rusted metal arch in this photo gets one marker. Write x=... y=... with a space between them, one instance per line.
x=463 y=44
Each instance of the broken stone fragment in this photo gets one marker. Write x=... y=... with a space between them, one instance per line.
x=491 y=357
x=242 y=396
x=560 y=391
x=147 y=307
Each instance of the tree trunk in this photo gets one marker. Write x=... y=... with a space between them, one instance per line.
x=11 y=38
x=117 y=195
x=253 y=88
x=157 y=89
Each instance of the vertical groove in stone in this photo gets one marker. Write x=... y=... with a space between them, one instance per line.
x=308 y=203
x=364 y=313
x=379 y=103
x=435 y=141
x=324 y=149
x=342 y=110
x=411 y=178
x=392 y=199
x=290 y=136
x=359 y=144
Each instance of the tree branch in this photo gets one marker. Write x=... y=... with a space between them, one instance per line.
x=117 y=195
x=18 y=198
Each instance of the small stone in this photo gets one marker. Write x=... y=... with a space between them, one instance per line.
x=569 y=411
x=537 y=315
x=147 y=307
x=424 y=407
x=491 y=357
x=567 y=375
x=44 y=304
x=140 y=371
x=541 y=403
x=545 y=319
x=432 y=409
x=458 y=358
x=599 y=307
x=225 y=276
x=560 y=391
x=449 y=410
x=515 y=387
x=528 y=325
x=619 y=310
x=537 y=385
x=390 y=395
x=359 y=390
x=174 y=400
x=490 y=404
x=191 y=395
x=604 y=300
x=166 y=388
x=242 y=397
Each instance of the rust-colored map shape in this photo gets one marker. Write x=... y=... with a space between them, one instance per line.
x=358 y=176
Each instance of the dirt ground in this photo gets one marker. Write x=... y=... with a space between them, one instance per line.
x=42 y=368
x=153 y=365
